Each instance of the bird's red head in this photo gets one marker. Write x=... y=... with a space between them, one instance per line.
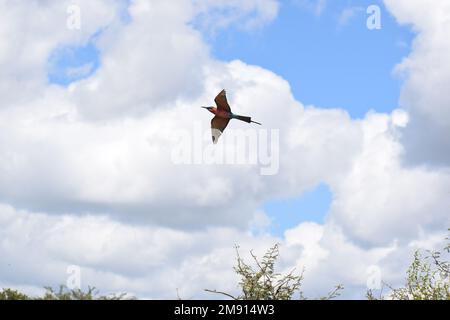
x=211 y=109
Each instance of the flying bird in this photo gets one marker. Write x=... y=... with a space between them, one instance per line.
x=223 y=115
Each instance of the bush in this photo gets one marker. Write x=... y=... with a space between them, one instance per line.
x=63 y=293
x=10 y=294
x=428 y=278
x=263 y=283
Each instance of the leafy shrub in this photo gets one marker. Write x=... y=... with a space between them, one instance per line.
x=263 y=283
x=428 y=278
x=63 y=293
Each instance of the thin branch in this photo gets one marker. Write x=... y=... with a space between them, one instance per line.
x=223 y=293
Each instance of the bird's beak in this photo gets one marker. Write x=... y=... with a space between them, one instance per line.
x=204 y=107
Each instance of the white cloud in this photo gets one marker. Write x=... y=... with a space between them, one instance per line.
x=400 y=118
x=379 y=200
x=427 y=71
x=153 y=262
x=158 y=260
x=37 y=28
x=151 y=62
x=124 y=166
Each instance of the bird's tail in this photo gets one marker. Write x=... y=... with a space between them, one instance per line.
x=245 y=119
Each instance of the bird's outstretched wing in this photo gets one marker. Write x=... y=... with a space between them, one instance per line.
x=221 y=101
x=218 y=125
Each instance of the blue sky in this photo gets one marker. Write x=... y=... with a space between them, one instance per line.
x=68 y=64
x=288 y=213
x=330 y=62
x=327 y=64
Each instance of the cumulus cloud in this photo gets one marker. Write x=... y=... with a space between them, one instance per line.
x=379 y=200
x=35 y=29
x=149 y=63
x=87 y=174
x=125 y=167
x=427 y=72
x=159 y=261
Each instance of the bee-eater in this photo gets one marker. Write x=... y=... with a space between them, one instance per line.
x=223 y=115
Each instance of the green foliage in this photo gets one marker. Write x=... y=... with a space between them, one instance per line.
x=10 y=294
x=428 y=278
x=261 y=282
x=63 y=293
